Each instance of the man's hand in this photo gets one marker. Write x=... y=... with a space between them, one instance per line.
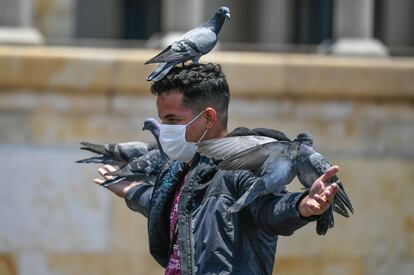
x=320 y=195
x=120 y=188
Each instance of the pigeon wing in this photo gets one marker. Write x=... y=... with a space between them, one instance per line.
x=129 y=150
x=256 y=159
x=194 y=43
x=201 y=40
x=223 y=148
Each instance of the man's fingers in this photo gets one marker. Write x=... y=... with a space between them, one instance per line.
x=328 y=194
x=331 y=192
x=98 y=181
x=110 y=168
x=102 y=171
x=329 y=174
x=320 y=199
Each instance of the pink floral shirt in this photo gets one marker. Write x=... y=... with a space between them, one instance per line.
x=173 y=266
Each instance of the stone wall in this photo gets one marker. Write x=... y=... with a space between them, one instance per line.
x=54 y=220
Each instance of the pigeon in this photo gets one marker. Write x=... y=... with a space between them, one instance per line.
x=145 y=167
x=120 y=154
x=271 y=160
x=115 y=153
x=152 y=125
x=194 y=44
x=310 y=166
x=275 y=163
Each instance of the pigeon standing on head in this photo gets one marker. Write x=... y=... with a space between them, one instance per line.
x=310 y=166
x=194 y=44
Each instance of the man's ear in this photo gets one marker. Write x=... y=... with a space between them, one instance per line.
x=211 y=116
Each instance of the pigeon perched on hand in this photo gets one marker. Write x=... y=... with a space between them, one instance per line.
x=115 y=153
x=145 y=167
x=120 y=154
x=275 y=163
x=310 y=166
x=194 y=44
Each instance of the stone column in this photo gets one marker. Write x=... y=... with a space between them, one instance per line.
x=397 y=22
x=273 y=21
x=182 y=15
x=353 y=29
x=177 y=17
x=16 y=13
x=16 y=22
x=353 y=18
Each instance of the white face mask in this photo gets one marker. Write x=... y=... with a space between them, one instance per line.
x=174 y=144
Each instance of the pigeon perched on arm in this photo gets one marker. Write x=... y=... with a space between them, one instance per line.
x=271 y=160
x=310 y=166
x=146 y=167
x=275 y=163
x=115 y=153
x=194 y=44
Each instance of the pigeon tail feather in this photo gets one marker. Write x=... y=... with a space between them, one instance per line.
x=161 y=71
x=97 y=159
x=155 y=58
x=325 y=221
x=94 y=148
x=112 y=181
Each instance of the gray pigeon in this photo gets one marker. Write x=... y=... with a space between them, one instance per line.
x=275 y=163
x=115 y=153
x=152 y=125
x=194 y=44
x=145 y=167
x=271 y=160
x=120 y=154
x=310 y=166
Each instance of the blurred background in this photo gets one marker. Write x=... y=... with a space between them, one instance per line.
x=72 y=70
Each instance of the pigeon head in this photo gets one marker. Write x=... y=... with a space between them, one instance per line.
x=216 y=22
x=224 y=12
x=152 y=125
x=305 y=137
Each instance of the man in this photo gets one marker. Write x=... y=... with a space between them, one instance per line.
x=190 y=228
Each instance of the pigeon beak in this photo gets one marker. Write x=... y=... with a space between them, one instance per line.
x=228 y=16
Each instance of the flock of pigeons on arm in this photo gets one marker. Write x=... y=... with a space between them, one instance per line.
x=275 y=162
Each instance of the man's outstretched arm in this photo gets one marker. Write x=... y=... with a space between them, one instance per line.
x=287 y=212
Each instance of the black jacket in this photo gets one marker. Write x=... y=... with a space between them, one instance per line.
x=211 y=239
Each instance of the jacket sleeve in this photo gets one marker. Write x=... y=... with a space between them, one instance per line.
x=274 y=214
x=138 y=198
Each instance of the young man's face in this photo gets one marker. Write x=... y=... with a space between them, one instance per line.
x=171 y=111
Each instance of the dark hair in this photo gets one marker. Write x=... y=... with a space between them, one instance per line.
x=202 y=86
